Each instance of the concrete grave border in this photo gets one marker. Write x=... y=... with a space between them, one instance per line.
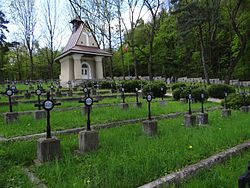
x=189 y=171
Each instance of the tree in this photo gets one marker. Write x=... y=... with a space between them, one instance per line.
x=23 y=12
x=153 y=6
x=133 y=7
x=3 y=47
x=238 y=15
x=51 y=18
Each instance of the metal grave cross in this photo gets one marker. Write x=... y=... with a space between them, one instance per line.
x=88 y=101
x=136 y=95
x=189 y=103
x=202 y=102
x=38 y=92
x=122 y=94
x=245 y=178
x=149 y=98
x=244 y=97
x=162 y=93
x=48 y=105
x=225 y=94
x=85 y=91
x=9 y=92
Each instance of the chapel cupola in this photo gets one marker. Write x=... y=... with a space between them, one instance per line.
x=76 y=23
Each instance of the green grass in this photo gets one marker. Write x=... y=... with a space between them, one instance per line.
x=223 y=175
x=71 y=119
x=11 y=161
x=127 y=158
x=64 y=104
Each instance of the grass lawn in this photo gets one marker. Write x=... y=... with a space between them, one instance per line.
x=74 y=118
x=222 y=175
x=126 y=157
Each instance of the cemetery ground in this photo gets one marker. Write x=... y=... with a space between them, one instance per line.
x=99 y=115
x=126 y=157
x=221 y=175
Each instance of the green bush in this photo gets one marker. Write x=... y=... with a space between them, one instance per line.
x=105 y=84
x=218 y=90
x=196 y=93
x=155 y=88
x=178 y=85
x=130 y=85
x=177 y=93
x=235 y=101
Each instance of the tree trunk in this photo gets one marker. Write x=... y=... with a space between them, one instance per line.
x=203 y=55
x=31 y=65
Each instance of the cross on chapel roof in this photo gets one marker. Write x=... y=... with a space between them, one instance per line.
x=82 y=41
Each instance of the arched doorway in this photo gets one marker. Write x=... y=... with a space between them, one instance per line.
x=86 y=72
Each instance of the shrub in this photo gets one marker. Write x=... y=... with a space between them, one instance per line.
x=105 y=84
x=235 y=101
x=177 y=93
x=155 y=88
x=178 y=85
x=130 y=85
x=218 y=90
x=196 y=94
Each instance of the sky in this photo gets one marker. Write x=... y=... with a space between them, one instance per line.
x=65 y=16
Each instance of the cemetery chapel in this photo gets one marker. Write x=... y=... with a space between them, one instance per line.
x=82 y=57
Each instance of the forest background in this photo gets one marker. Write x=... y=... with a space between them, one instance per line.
x=194 y=38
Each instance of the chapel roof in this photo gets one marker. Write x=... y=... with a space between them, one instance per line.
x=72 y=45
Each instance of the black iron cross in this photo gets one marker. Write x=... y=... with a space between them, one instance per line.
x=122 y=94
x=136 y=95
x=88 y=101
x=38 y=92
x=202 y=102
x=9 y=92
x=85 y=91
x=245 y=178
x=189 y=100
x=244 y=97
x=225 y=94
x=162 y=93
x=48 y=105
x=149 y=98
x=189 y=103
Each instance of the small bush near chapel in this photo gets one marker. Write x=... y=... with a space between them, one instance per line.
x=155 y=88
x=218 y=90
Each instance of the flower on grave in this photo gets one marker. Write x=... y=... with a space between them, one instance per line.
x=190 y=147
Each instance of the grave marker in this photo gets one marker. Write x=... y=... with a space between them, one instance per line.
x=138 y=104
x=202 y=117
x=189 y=118
x=88 y=140
x=245 y=107
x=38 y=114
x=162 y=102
x=48 y=148
x=182 y=100
x=149 y=126
x=226 y=112
x=123 y=104
x=10 y=116
x=244 y=180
